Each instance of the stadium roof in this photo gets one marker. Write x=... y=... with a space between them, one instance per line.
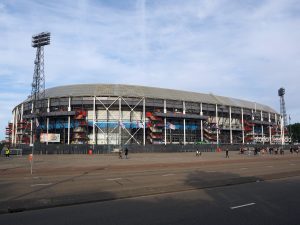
x=149 y=92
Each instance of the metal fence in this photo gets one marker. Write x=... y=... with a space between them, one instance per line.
x=105 y=149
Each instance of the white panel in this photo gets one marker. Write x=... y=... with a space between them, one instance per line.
x=102 y=139
x=101 y=115
x=113 y=115
x=126 y=115
x=90 y=115
x=136 y=116
x=101 y=136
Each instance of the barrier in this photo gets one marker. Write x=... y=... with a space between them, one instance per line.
x=133 y=148
x=13 y=151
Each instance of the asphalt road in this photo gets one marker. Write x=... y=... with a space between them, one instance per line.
x=58 y=185
x=274 y=202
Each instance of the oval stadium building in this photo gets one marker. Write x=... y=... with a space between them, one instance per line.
x=113 y=114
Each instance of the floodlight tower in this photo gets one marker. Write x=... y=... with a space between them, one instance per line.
x=38 y=83
x=281 y=92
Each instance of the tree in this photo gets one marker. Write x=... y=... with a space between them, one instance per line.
x=295 y=132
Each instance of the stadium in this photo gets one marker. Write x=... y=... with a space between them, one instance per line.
x=115 y=114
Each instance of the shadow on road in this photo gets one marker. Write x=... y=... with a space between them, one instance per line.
x=209 y=203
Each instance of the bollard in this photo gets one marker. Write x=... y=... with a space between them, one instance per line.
x=30 y=157
x=90 y=152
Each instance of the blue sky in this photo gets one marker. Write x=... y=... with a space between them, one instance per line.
x=242 y=49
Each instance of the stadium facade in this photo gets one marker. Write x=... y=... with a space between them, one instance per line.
x=113 y=114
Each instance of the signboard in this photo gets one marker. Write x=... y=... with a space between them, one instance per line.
x=275 y=139
x=51 y=137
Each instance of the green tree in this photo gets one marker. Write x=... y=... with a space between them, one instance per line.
x=295 y=132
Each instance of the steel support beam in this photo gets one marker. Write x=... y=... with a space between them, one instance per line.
x=184 y=131
x=217 y=124
x=262 y=127
x=31 y=133
x=201 y=122
x=94 y=118
x=165 y=121
x=230 y=125
x=144 y=121
x=69 y=120
x=120 y=121
x=270 y=129
x=47 y=129
x=243 y=128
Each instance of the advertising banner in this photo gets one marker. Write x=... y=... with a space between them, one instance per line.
x=51 y=137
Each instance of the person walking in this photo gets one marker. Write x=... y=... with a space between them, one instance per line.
x=126 y=153
x=227 y=153
x=7 y=152
x=120 y=154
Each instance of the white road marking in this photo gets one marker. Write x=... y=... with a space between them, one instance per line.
x=269 y=166
x=112 y=179
x=36 y=178
x=33 y=185
x=292 y=164
x=240 y=206
x=169 y=174
x=211 y=171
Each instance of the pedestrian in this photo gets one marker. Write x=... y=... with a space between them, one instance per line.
x=7 y=152
x=241 y=150
x=270 y=150
x=120 y=154
x=227 y=153
x=126 y=153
